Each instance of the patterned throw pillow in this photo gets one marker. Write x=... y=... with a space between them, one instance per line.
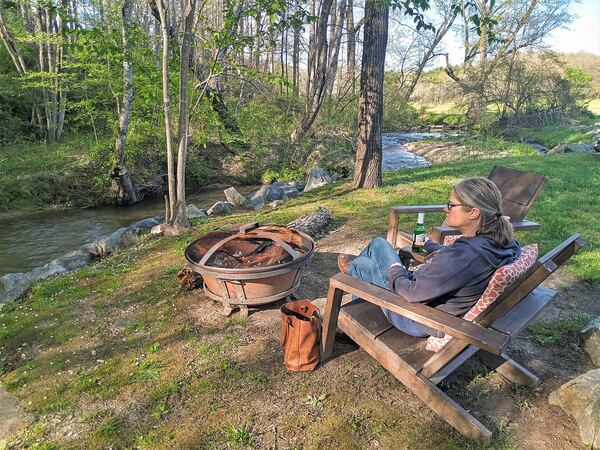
x=503 y=277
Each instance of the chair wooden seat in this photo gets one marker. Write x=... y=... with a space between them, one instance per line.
x=421 y=370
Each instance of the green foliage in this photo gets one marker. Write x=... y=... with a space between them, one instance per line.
x=551 y=332
x=238 y=436
x=285 y=174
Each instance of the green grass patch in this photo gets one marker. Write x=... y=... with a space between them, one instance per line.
x=554 y=331
x=114 y=345
x=552 y=135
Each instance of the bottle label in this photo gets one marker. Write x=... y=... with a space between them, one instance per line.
x=419 y=239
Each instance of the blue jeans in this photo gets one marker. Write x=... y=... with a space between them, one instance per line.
x=372 y=266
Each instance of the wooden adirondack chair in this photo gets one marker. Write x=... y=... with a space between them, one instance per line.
x=421 y=370
x=519 y=191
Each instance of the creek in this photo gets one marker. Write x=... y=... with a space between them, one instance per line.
x=31 y=240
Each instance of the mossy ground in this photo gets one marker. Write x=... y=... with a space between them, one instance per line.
x=117 y=355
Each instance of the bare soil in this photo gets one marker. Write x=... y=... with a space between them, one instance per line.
x=360 y=389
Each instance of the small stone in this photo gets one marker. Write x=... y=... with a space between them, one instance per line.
x=157 y=229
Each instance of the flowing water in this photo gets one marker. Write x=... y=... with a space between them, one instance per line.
x=34 y=239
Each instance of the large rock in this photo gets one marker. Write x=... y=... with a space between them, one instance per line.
x=269 y=193
x=123 y=237
x=590 y=336
x=581 y=398
x=74 y=260
x=193 y=212
x=14 y=285
x=289 y=191
x=234 y=197
x=146 y=224
x=300 y=185
x=220 y=209
x=257 y=202
x=317 y=178
x=571 y=148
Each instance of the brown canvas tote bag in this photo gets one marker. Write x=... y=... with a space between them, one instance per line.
x=300 y=335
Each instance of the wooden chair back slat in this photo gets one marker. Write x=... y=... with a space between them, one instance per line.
x=519 y=190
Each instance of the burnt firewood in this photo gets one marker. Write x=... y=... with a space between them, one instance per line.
x=188 y=279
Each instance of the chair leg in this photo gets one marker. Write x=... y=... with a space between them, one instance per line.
x=422 y=387
x=509 y=368
x=332 y=310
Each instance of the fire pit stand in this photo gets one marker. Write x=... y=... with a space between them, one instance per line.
x=263 y=264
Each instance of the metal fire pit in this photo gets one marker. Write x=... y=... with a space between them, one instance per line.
x=253 y=266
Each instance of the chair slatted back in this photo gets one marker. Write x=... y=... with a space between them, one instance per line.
x=519 y=190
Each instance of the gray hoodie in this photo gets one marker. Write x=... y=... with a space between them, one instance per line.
x=456 y=276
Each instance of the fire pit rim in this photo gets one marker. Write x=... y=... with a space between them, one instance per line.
x=269 y=271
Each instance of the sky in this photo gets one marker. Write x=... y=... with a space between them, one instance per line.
x=583 y=34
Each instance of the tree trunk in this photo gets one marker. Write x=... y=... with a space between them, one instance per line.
x=180 y=219
x=296 y=58
x=334 y=48
x=317 y=92
x=367 y=166
x=351 y=45
x=164 y=26
x=120 y=174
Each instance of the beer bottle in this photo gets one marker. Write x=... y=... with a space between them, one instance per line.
x=419 y=234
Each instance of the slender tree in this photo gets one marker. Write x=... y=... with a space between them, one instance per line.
x=318 y=84
x=180 y=219
x=120 y=174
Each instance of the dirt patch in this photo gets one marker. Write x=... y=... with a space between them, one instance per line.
x=522 y=416
x=441 y=152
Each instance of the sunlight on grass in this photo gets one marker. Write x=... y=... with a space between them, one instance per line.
x=594 y=106
x=113 y=345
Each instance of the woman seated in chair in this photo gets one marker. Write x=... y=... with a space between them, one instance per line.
x=456 y=276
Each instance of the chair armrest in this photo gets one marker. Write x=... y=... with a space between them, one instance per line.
x=526 y=225
x=413 y=209
x=485 y=338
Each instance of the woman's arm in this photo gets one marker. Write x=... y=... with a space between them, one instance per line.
x=447 y=272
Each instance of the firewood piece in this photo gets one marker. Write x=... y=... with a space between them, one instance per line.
x=313 y=224
x=188 y=279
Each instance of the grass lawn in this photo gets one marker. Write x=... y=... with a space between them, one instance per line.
x=108 y=356
x=37 y=175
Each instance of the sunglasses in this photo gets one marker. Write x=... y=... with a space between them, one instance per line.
x=451 y=205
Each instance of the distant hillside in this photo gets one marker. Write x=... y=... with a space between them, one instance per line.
x=435 y=86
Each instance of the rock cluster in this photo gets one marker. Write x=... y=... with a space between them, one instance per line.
x=15 y=285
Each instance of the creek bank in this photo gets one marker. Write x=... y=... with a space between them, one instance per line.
x=15 y=285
